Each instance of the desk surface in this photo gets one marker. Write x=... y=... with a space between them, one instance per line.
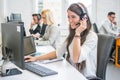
x=64 y=69
x=44 y=49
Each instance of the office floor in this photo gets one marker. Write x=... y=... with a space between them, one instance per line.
x=113 y=72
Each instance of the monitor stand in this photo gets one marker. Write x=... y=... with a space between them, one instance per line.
x=8 y=72
x=13 y=71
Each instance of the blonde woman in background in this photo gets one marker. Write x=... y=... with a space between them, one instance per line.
x=52 y=32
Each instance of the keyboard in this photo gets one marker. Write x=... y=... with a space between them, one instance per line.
x=38 y=69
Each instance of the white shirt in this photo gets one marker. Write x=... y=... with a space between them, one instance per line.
x=88 y=53
x=34 y=26
x=109 y=28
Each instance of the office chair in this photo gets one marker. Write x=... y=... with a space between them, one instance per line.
x=95 y=28
x=105 y=43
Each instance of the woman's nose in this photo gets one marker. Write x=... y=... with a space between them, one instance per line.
x=70 y=20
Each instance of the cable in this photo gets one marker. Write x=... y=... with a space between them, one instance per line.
x=0 y=70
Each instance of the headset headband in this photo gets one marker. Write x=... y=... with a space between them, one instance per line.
x=83 y=9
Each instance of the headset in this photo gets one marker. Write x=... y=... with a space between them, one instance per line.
x=38 y=16
x=82 y=9
x=83 y=14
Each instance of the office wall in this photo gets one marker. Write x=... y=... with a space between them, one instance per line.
x=1 y=11
x=102 y=7
x=1 y=16
x=25 y=7
x=1 y=20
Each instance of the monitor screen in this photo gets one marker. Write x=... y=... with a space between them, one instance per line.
x=13 y=43
x=15 y=17
x=29 y=45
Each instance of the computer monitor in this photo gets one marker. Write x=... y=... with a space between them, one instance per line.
x=13 y=43
x=29 y=45
x=15 y=17
x=21 y=23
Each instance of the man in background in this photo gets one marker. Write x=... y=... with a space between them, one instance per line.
x=35 y=25
x=109 y=26
x=35 y=28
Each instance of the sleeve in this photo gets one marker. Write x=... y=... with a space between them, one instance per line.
x=116 y=28
x=107 y=28
x=61 y=50
x=49 y=38
x=31 y=31
x=89 y=45
x=37 y=30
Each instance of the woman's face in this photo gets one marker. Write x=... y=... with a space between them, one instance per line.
x=44 y=19
x=73 y=19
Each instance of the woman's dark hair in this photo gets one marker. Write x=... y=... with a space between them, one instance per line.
x=80 y=10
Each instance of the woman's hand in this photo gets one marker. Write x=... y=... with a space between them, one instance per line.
x=30 y=59
x=81 y=27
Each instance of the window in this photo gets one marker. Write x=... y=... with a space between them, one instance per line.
x=60 y=14
x=39 y=6
x=54 y=5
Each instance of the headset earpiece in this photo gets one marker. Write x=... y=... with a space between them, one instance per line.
x=38 y=16
x=82 y=16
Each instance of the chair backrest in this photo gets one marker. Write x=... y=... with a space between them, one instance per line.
x=95 y=28
x=105 y=43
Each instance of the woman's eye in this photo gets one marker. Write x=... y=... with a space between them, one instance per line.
x=73 y=17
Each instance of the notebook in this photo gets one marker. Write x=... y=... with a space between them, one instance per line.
x=29 y=46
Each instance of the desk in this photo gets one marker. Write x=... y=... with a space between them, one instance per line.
x=117 y=56
x=65 y=72
x=64 y=69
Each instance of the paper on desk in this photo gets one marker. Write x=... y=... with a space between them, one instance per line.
x=44 y=49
